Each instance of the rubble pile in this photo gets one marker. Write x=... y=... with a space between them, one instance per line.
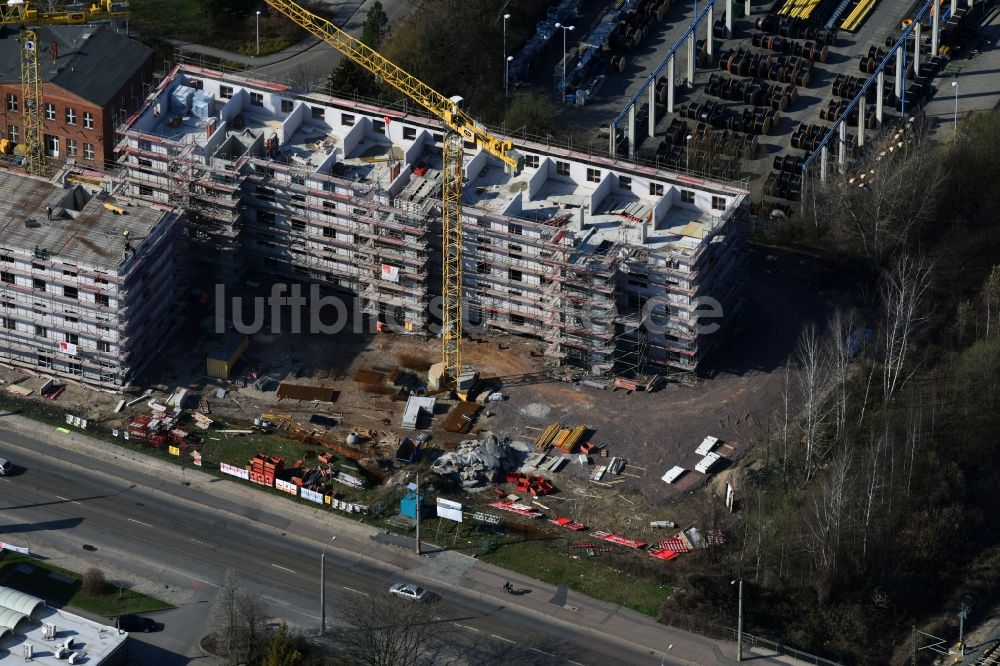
x=477 y=461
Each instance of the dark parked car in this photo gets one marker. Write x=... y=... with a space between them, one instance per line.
x=134 y=623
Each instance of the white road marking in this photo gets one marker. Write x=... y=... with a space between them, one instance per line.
x=574 y=662
x=351 y=589
x=465 y=626
x=203 y=543
x=549 y=654
x=501 y=638
x=66 y=499
x=200 y=580
x=138 y=522
x=278 y=566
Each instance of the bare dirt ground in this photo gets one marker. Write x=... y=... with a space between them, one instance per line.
x=652 y=431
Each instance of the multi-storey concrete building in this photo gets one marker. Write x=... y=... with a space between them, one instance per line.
x=92 y=78
x=603 y=261
x=89 y=289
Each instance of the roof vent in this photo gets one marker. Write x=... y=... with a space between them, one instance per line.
x=32 y=223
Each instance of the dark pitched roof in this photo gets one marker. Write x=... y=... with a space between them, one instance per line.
x=93 y=61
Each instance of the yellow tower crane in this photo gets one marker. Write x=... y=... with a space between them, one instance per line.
x=462 y=128
x=27 y=16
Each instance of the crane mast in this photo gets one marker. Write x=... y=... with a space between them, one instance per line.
x=462 y=128
x=24 y=14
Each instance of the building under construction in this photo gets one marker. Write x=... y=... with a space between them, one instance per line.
x=89 y=288
x=604 y=262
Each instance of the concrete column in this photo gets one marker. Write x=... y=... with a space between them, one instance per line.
x=652 y=107
x=935 y=27
x=709 y=37
x=824 y=158
x=746 y=8
x=729 y=18
x=670 y=85
x=954 y=6
x=842 y=152
x=879 y=101
x=611 y=139
x=632 y=147
x=916 y=49
x=861 y=123
x=900 y=64
x=691 y=60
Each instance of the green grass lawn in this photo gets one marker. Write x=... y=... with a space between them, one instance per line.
x=553 y=562
x=60 y=587
x=190 y=20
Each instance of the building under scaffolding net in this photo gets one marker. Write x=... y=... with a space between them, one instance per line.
x=605 y=263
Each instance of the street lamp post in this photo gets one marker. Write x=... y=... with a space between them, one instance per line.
x=739 y=621
x=322 y=584
x=954 y=84
x=687 y=152
x=418 y=512
x=565 y=29
x=258 y=32
x=506 y=79
x=506 y=17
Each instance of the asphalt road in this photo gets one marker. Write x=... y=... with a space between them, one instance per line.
x=143 y=523
x=313 y=65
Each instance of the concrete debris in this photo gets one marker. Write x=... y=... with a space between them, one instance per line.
x=477 y=462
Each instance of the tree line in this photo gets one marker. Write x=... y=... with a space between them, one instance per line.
x=867 y=509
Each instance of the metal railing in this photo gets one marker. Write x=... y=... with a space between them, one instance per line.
x=751 y=641
x=898 y=50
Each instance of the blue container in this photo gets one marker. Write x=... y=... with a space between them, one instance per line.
x=408 y=505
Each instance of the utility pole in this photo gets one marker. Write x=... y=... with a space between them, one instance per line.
x=963 y=612
x=322 y=588
x=739 y=626
x=418 y=512
x=322 y=592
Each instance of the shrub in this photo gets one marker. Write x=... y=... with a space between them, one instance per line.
x=93 y=582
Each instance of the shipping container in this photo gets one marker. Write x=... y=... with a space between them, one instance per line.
x=225 y=354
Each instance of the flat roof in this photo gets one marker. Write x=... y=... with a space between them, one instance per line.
x=79 y=231
x=98 y=641
x=319 y=134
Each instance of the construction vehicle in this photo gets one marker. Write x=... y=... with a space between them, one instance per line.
x=29 y=16
x=459 y=127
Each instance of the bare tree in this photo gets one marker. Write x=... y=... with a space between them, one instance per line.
x=842 y=340
x=238 y=619
x=93 y=582
x=383 y=631
x=890 y=194
x=873 y=484
x=991 y=299
x=903 y=288
x=813 y=389
x=824 y=520
x=308 y=77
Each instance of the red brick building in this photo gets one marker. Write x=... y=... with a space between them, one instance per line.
x=92 y=77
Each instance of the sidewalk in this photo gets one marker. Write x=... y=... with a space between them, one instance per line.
x=575 y=611
x=248 y=61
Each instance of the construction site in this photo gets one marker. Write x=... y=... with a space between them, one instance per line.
x=582 y=282
x=86 y=282
x=501 y=310
x=602 y=261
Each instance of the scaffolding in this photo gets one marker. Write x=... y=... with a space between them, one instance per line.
x=542 y=272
